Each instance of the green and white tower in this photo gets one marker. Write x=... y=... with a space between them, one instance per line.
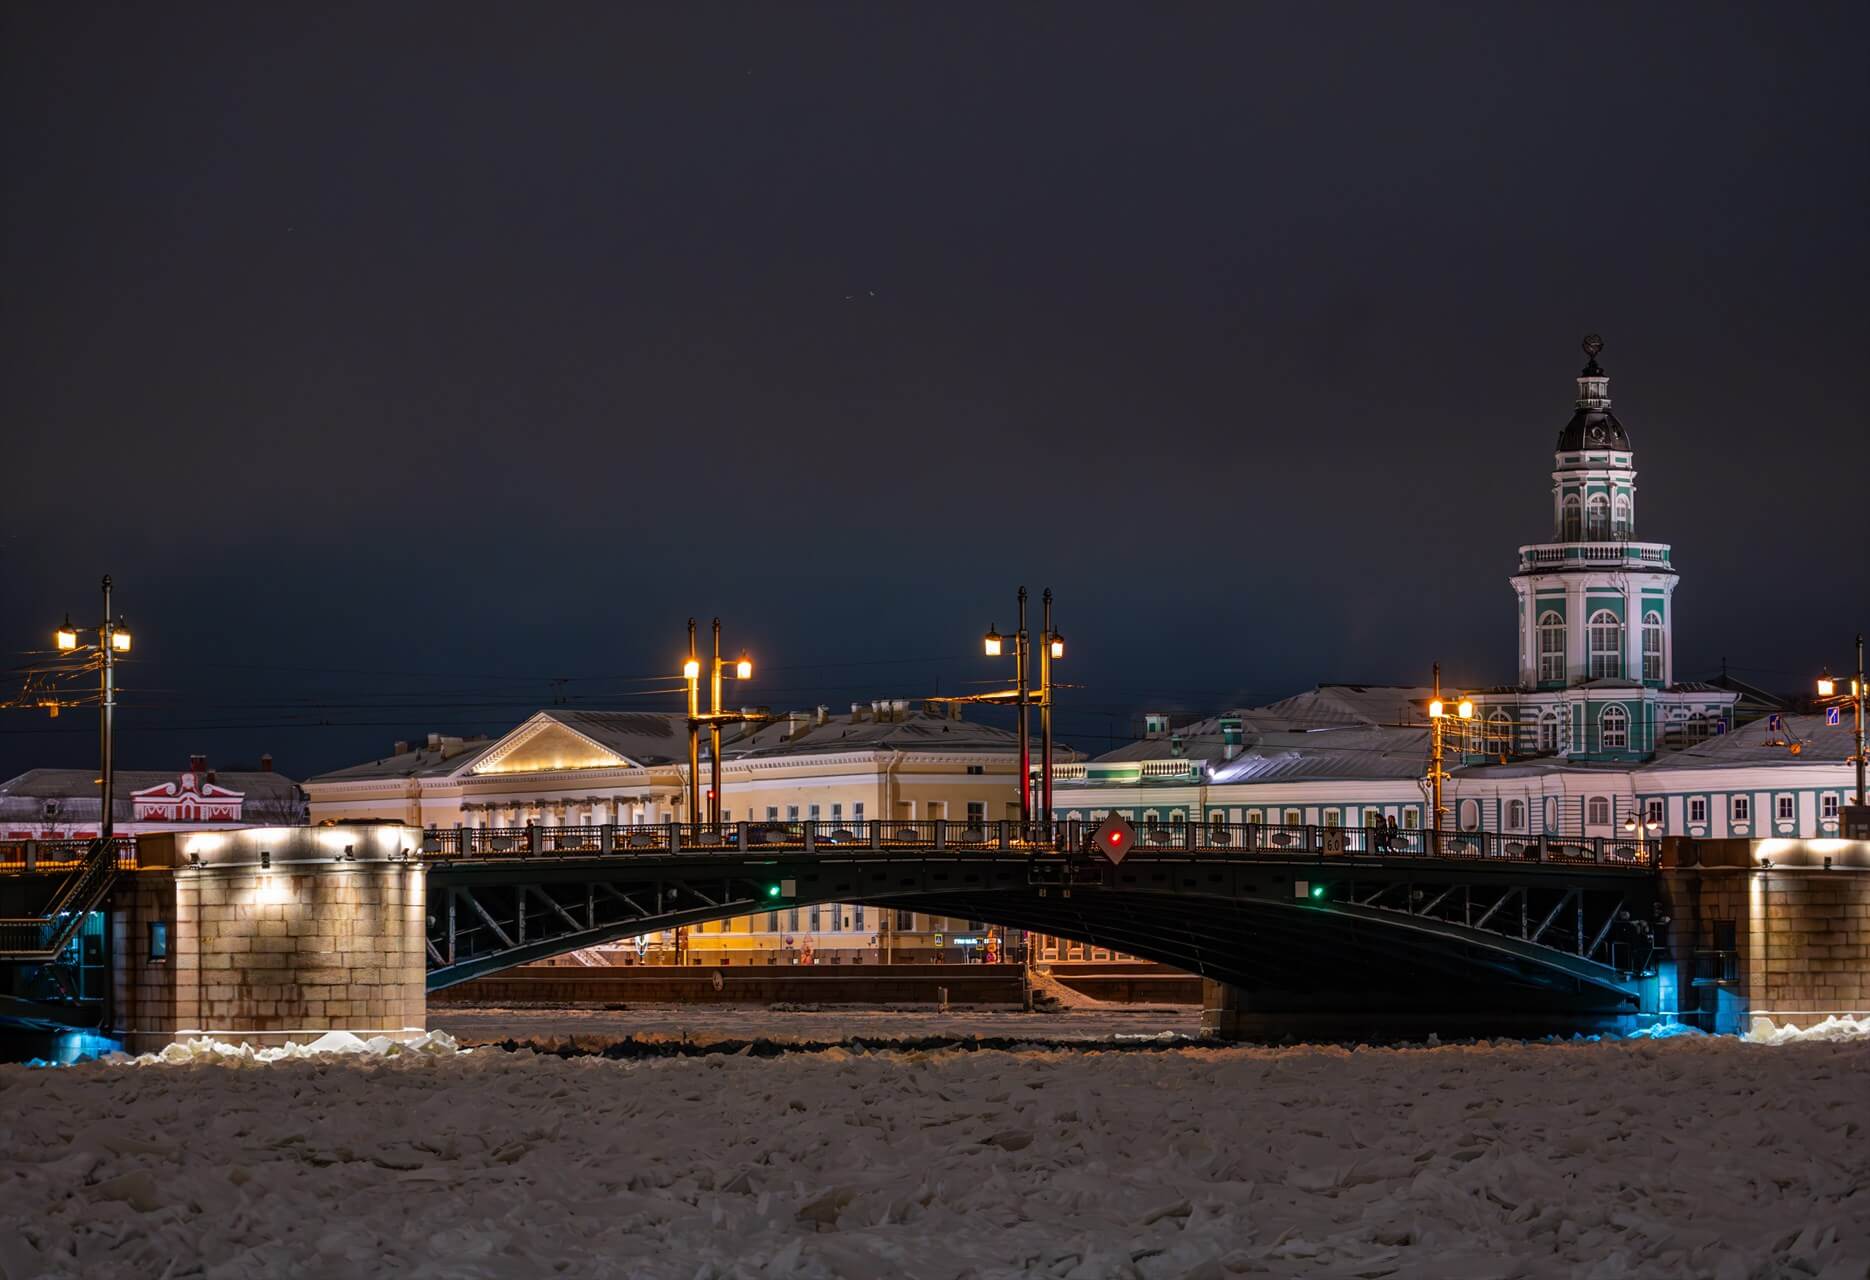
x=1594 y=603
x=1596 y=613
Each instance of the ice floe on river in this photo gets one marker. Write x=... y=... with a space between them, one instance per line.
x=1700 y=1156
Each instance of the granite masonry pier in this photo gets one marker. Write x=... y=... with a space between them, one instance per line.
x=269 y=934
x=1768 y=930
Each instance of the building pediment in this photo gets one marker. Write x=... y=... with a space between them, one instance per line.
x=544 y=745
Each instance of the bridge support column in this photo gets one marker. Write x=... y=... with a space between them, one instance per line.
x=270 y=935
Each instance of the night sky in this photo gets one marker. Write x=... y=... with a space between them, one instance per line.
x=400 y=360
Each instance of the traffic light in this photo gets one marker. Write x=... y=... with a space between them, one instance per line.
x=772 y=891
x=1318 y=891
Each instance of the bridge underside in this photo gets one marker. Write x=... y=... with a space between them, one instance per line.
x=1294 y=935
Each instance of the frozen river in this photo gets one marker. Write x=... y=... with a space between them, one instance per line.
x=1687 y=1157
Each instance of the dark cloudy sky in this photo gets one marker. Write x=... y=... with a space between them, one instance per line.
x=399 y=359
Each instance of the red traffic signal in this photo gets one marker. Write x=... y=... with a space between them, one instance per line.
x=1115 y=837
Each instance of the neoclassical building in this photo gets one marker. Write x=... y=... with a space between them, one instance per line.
x=1595 y=731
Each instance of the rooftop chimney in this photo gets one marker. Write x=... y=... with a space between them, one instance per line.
x=824 y=714
x=1175 y=744
x=401 y=748
x=198 y=764
x=266 y=762
x=1155 y=724
x=1231 y=737
x=859 y=713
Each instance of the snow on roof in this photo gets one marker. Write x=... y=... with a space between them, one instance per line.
x=1755 y=743
x=269 y=797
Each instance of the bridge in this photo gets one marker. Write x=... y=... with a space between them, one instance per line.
x=1300 y=918
x=1299 y=914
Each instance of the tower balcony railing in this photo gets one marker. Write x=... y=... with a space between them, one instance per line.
x=1596 y=554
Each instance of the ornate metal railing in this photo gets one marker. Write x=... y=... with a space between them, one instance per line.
x=1057 y=837
x=44 y=936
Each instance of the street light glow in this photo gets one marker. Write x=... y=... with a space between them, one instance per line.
x=67 y=638
x=1058 y=646
x=691 y=670
x=1827 y=687
x=1465 y=709
x=1435 y=709
x=120 y=640
x=991 y=643
x=743 y=670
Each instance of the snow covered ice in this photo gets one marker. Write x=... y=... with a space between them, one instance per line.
x=1693 y=1156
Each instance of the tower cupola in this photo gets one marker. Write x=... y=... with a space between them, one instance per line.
x=1593 y=425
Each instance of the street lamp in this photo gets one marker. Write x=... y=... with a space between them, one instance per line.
x=1828 y=690
x=713 y=718
x=112 y=638
x=1051 y=648
x=1439 y=713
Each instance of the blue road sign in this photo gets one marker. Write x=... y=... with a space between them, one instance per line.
x=1774 y=722
x=1831 y=715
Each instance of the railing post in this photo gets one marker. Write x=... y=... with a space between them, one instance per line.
x=1188 y=836
x=941 y=834
x=607 y=838
x=675 y=837
x=740 y=835
x=1004 y=845
x=32 y=856
x=876 y=833
x=811 y=837
x=532 y=839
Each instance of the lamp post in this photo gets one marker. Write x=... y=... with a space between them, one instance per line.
x=1828 y=692
x=113 y=638
x=1439 y=712
x=714 y=717
x=1051 y=647
x=1644 y=831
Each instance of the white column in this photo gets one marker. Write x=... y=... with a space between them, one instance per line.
x=1576 y=638
x=1632 y=631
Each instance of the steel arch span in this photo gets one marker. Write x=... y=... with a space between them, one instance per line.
x=1389 y=931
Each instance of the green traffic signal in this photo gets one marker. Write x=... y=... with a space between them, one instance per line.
x=1318 y=891
x=772 y=891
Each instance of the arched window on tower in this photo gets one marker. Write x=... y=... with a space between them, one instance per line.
x=1550 y=739
x=1652 y=645
x=1570 y=525
x=1620 y=525
x=1597 y=516
x=1551 y=646
x=1605 y=633
x=1613 y=728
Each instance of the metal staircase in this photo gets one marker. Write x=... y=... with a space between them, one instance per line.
x=44 y=937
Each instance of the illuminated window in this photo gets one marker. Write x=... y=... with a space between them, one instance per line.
x=1828 y=806
x=1606 y=637
x=158 y=941
x=1411 y=818
x=1549 y=737
x=1652 y=645
x=1499 y=733
x=1613 y=728
x=1652 y=812
x=1551 y=646
x=1742 y=809
x=1785 y=808
x=1294 y=818
x=1597 y=516
x=1597 y=811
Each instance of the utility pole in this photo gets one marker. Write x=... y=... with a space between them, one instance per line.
x=1860 y=719
x=714 y=732
x=691 y=671
x=108 y=729
x=1022 y=658
x=1046 y=644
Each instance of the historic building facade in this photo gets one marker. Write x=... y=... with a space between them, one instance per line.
x=889 y=759
x=1596 y=732
x=64 y=804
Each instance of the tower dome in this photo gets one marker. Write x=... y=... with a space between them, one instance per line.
x=1593 y=425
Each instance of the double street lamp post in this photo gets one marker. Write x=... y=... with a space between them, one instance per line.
x=1828 y=692
x=112 y=637
x=713 y=718
x=1051 y=647
x=1439 y=713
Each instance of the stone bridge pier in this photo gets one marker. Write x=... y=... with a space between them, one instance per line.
x=1768 y=930
x=269 y=934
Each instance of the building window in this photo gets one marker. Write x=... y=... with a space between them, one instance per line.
x=792 y=813
x=1597 y=516
x=1652 y=645
x=1742 y=810
x=1551 y=646
x=1620 y=517
x=1332 y=818
x=1499 y=734
x=1569 y=526
x=1606 y=637
x=857 y=917
x=1597 y=811
x=977 y=813
x=158 y=941
x=1698 y=809
x=1548 y=731
x=857 y=811
x=1785 y=808
x=812 y=813
x=1613 y=728
x=1294 y=818
x=1516 y=815
x=1697 y=727
x=1412 y=818
x=1828 y=807
x=1652 y=812
x=772 y=813
x=837 y=813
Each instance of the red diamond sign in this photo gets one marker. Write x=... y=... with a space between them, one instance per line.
x=1115 y=837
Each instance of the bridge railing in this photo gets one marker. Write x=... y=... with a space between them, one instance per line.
x=1067 y=836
